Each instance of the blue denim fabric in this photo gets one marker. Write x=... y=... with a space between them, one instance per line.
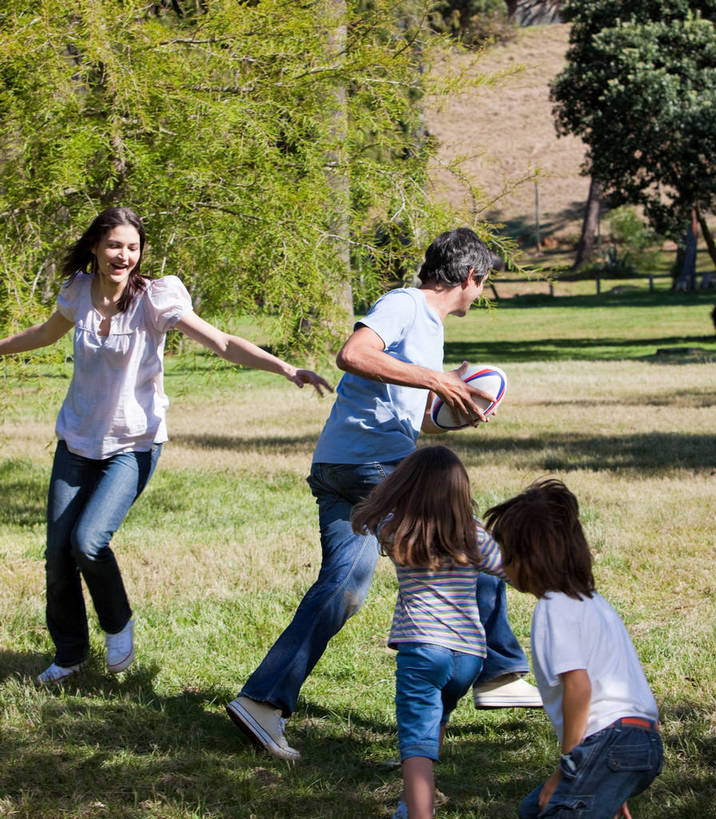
x=347 y=566
x=504 y=653
x=87 y=501
x=610 y=766
x=429 y=681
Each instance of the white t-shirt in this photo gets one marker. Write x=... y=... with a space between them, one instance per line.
x=116 y=401
x=374 y=420
x=569 y=634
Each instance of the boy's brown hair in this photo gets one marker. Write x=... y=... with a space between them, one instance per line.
x=422 y=513
x=540 y=535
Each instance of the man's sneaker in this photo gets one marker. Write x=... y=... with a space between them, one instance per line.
x=508 y=691
x=57 y=673
x=263 y=725
x=120 y=648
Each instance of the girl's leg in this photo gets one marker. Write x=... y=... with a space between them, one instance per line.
x=465 y=670
x=120 y=481
x=422 y=671
x=70 y=485
x=419 y=787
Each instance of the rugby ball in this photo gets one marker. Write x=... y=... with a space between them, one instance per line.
x=486 y=378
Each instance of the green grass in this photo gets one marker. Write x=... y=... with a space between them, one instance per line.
x=220 y=548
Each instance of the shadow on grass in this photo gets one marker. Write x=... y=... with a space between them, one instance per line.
x=549 y=349
x=296 y=444
x=115 y=747
x=118 y=746
x=648 y=452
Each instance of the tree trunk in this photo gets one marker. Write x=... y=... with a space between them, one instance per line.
x=336 y=16
x=686 y=279
x=706 y=233
x=590 y=223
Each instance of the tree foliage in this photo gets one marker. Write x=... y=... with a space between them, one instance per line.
x=640 y=89
x=209 y=119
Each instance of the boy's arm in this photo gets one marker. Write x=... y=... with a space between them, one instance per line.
x=576 y=696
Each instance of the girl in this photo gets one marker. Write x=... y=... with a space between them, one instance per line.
x=112 y=425
x=422 y=515
x=592 y=684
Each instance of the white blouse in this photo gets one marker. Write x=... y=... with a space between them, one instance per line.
x=116 y=400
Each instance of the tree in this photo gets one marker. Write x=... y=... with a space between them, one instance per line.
x=210 y=120
x=640 y=89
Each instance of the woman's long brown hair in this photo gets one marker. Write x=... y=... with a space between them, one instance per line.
x=422 y=513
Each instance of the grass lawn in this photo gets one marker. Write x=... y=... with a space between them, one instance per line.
x=220 y=548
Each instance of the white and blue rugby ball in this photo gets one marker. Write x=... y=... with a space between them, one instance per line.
x=486 y=378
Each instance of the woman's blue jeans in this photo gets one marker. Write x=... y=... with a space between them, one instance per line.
x=606 y=769
x=87 y=501
x=348 y=563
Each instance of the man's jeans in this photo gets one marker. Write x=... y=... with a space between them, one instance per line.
x=348 y=563
x=87 y=501
x=601 y=773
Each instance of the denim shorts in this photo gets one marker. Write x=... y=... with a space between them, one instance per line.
x=429 y=681
x=601 y=773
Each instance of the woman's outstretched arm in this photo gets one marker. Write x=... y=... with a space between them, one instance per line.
x=39 y=335
x=240 y=351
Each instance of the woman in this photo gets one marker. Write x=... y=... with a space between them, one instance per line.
x=111 y=426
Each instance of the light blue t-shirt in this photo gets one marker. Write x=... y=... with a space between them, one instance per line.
x=374 y=421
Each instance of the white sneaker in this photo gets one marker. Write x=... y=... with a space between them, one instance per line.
x=508 y=691
x=263 y=725
x=56 y=674
x=120 y=648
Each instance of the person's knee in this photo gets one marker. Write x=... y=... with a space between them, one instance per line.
x=356 y=591
x=353 y=600
x=89 y=546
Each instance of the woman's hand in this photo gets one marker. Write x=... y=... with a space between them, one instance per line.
x=301 y=377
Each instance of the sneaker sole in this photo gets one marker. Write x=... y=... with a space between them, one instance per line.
x=494 y=702
x=115 y=668
x=256 y=734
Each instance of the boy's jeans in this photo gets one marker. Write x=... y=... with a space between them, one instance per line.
x=86 y=503
x=610 y=766
x=348 y=563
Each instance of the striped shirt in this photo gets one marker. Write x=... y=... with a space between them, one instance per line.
x=440 y=606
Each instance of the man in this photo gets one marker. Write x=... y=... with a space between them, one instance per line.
x=393 y=362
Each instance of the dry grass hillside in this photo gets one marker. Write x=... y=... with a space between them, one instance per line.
x=503 y=133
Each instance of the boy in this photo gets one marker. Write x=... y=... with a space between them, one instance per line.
x=588 y=673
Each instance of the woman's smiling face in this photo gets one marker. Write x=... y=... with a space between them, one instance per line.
x=118 y=253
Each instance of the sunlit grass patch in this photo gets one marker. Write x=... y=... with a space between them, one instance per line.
x=219 y=550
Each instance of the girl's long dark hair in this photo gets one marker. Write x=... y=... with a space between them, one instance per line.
x=81 y=259
x=540 y=534
x=423 y=512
